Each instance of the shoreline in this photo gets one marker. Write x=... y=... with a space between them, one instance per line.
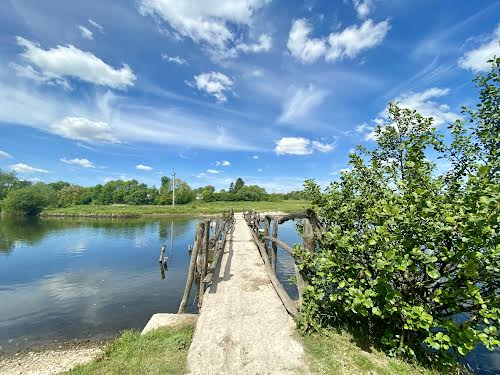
x=123 y=216
x=52 y=358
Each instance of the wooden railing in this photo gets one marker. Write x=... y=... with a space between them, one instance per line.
x=205 y=254
x=264 y=229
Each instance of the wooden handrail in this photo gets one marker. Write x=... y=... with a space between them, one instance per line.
x=312 y=229
x=199 y=265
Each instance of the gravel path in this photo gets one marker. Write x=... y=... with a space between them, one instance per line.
x=47 y=362
x=243 y=327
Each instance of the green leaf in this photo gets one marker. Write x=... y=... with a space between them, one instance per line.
x=434 y=273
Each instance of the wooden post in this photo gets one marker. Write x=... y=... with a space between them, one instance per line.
x=162 y=271
x=309 y=246
x=274 y=252
x=204 y=261
x=162 y=253
x=267 y=224
x=192 y=267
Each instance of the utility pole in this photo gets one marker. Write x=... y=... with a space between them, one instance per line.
x=173 y=188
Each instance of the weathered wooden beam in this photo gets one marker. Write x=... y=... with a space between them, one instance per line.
x=281 y=244
x=307 y=213
x=285 y=298
x=162 y=253
x=274 y=253
x=204 y=262
x=192 y=267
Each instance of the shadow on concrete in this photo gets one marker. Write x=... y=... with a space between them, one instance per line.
x=229 y=250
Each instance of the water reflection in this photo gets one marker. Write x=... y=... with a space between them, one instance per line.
x=87 y=278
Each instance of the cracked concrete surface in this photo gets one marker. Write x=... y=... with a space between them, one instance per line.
x=243 y=327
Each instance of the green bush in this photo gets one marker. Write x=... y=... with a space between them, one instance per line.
x=410 y=256
x=27 y=201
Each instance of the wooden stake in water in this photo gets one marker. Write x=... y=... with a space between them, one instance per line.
x=162 y=253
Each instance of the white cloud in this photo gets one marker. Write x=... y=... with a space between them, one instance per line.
x=259 y=170
x=214 y=83
x=144 y=167
x=83 y=129
x=174 y=59
x=255 y=157
x=422 y=102
x=25 y=168
x=5 y=155
x=345 y=44
x=301 y=102
x=352 y=40
x=322 y=147
x=264 y=44
x=85 y=163
x=212 y=171
x=69 y=61
x=86 y=33
x=362 y=7
x=223 y=163
x=477 y=59
x=301 y=46
x=210 y=21
x=300 y=146
x=96 y=25
x=27 y=71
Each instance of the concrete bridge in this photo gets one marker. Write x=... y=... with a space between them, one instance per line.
x=243 y=327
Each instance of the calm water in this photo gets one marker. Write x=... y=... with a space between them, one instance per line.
x=83 y=278
x=64 y=279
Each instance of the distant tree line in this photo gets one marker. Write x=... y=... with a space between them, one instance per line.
x=29 y=198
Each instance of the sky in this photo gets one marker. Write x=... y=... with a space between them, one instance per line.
x=275 y=92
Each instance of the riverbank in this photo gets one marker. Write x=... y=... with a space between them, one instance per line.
x=191 y=209
x=51 y=358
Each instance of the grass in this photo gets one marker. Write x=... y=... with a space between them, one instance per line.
x=195 y=208
x=337 y=353
x=162 y=351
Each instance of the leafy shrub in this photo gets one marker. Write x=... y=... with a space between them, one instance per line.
x=410 y=256
x=28 y=200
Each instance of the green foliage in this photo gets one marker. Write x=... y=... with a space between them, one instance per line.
x=71 y=195
x=9 y=181
x=29 y=200
x=412 y=256
x=183 y=192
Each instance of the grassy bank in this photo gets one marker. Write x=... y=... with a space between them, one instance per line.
x=338 y=353
x=195 y=208
x=163 y=351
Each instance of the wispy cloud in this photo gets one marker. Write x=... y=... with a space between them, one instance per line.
x=5 y=155
x=301 y=102
x=25 y=168
x=86 y=33
x=85 y=163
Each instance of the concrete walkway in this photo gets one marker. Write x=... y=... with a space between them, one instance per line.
x=243 y=327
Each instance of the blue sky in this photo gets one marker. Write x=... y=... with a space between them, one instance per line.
x=274 y=92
